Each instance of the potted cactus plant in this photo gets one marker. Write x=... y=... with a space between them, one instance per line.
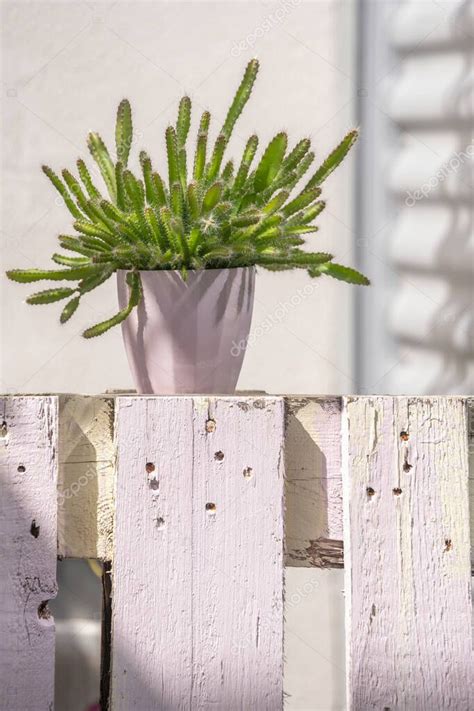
x=185 y=251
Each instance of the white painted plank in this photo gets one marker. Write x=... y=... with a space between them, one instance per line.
x=238 y=554
x=470 y=439
x=313 y=486
x=151 y=618
x=28 y=518
x=86 y=476
x=409 y=640
x=313 y=482
x=199 y=538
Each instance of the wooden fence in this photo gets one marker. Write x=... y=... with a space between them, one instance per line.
x=197 y=504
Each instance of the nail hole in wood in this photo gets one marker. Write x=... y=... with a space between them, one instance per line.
x=397 y=491
x=21 y=469
x=219 y=456
x=369 y=491
x=34 y=529
x=404 y=436
x=44 y=613
x=211 y=508
x=150 y=467
x=210 y=426
x=248 y=473
x=160 y=522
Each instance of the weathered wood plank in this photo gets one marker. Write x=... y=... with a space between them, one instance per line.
x=198 y=536
x=238 y=553
x=407 y=554
x=86 y=476
x=313 y=479
x=152 y=569
x=470 y=439
x=28 y=526
x=313 y=482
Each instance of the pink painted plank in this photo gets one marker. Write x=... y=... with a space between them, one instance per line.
x=28 y=529
x=409 y=640
x=152 y=568
x=198 y=563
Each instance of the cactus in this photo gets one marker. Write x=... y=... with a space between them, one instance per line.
x=216 y=218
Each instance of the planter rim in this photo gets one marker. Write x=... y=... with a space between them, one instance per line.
x=190 y=271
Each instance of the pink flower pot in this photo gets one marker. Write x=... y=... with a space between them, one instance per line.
x=188 y=337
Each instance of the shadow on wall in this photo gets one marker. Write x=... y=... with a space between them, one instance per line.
x=446 y=275
x=415 y=215
x=453 y=324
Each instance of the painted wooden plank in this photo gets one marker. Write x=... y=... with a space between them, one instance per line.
x=86 y=476
x=313 y=479
x=199 y=538
x=405 y=472
x=313 y=482
x=238 y=554
x=470 y=436
x=152 y=569
x=28 y=506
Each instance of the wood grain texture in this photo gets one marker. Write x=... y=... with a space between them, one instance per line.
x=408 y=612
x=313 y=482
x=313 y=479
x=86 y=476
x=313 y=486
x=198 y=562
x=28 y=525
x=470 y=436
